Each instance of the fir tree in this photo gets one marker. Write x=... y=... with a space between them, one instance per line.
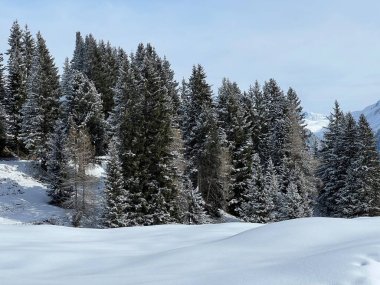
x=195 y=212
x=258 y=203
x=84 y=104
x=58 y=165
x=116 y=195
x=3 y=134
x=2 y=81
x=15 y=84
x=233 y=119
x=40 y=110
x=330 y=170
x=359 y=196
x=31 y=133
x=77 y=61
x=28 y=50
x=146 y=139
x=274 y=124
x=209 y=162
x=298 y=164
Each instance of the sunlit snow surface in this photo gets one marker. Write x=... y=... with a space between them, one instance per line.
x=23 y=199
x=304 y=251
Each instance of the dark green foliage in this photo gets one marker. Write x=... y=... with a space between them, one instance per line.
x=146 y=137
x=15 y=84
x=234 y=120
x=349 y=168
x=117 y=197
x=57 y=165
x=84 y=105
x=40 y=110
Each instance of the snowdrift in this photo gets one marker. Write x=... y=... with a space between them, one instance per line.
x=303 y=251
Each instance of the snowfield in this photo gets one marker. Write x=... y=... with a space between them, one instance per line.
x=303 y=251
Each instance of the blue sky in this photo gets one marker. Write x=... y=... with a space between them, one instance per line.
x=326 y=50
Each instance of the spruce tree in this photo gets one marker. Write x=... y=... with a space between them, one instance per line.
x=77 y=61
x=116 y=195
x=31 y=132
x=83 y=103
x=298 y=163
x=28 y=50
x=258 y=197
x=2 y=81
x=146 y=139
x=194 y=212
x=209 y=163
x=58 y=165
x=202 y=140
x=359 y=196
x=274 y=124
x=3 y=134
x=2 y=110
x=15 y=84
x=40 y=110
x=331 y=171
x=369 y=170
x=233 y=119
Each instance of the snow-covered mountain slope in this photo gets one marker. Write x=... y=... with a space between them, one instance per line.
x=372 y=114
x=316 y=123
x=23 y=199
x=297 y=252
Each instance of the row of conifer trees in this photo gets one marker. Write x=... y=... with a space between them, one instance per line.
x=176 y=152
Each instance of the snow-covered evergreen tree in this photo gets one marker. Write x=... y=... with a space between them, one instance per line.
x=58 y=165
x=359 y=195
x=84 y=105
x=233 y=119
x=15 y=84
x=31 y=133
x=194 y=212
x=146 y=139
x=40 y=110
x=122 y=91
x=3 y=132
x=77 y=61
x=258 y=197
x=117 y=197
x=330 y=171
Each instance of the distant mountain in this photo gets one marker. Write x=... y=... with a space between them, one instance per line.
x=372 y=113
x=316 y=123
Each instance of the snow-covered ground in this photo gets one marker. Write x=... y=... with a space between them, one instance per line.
x=23 y=199
x=297 y=252
x=304 y=251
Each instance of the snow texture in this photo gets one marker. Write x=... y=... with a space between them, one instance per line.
x=316 y=123
x=23 y=199
x=302 y=251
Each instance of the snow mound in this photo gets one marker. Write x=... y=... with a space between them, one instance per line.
x=298 y=252
x=23 y=199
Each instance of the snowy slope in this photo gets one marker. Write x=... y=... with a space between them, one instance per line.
x=372 y=114
x=297 y=252
x=23 y=199
x=316 y=123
